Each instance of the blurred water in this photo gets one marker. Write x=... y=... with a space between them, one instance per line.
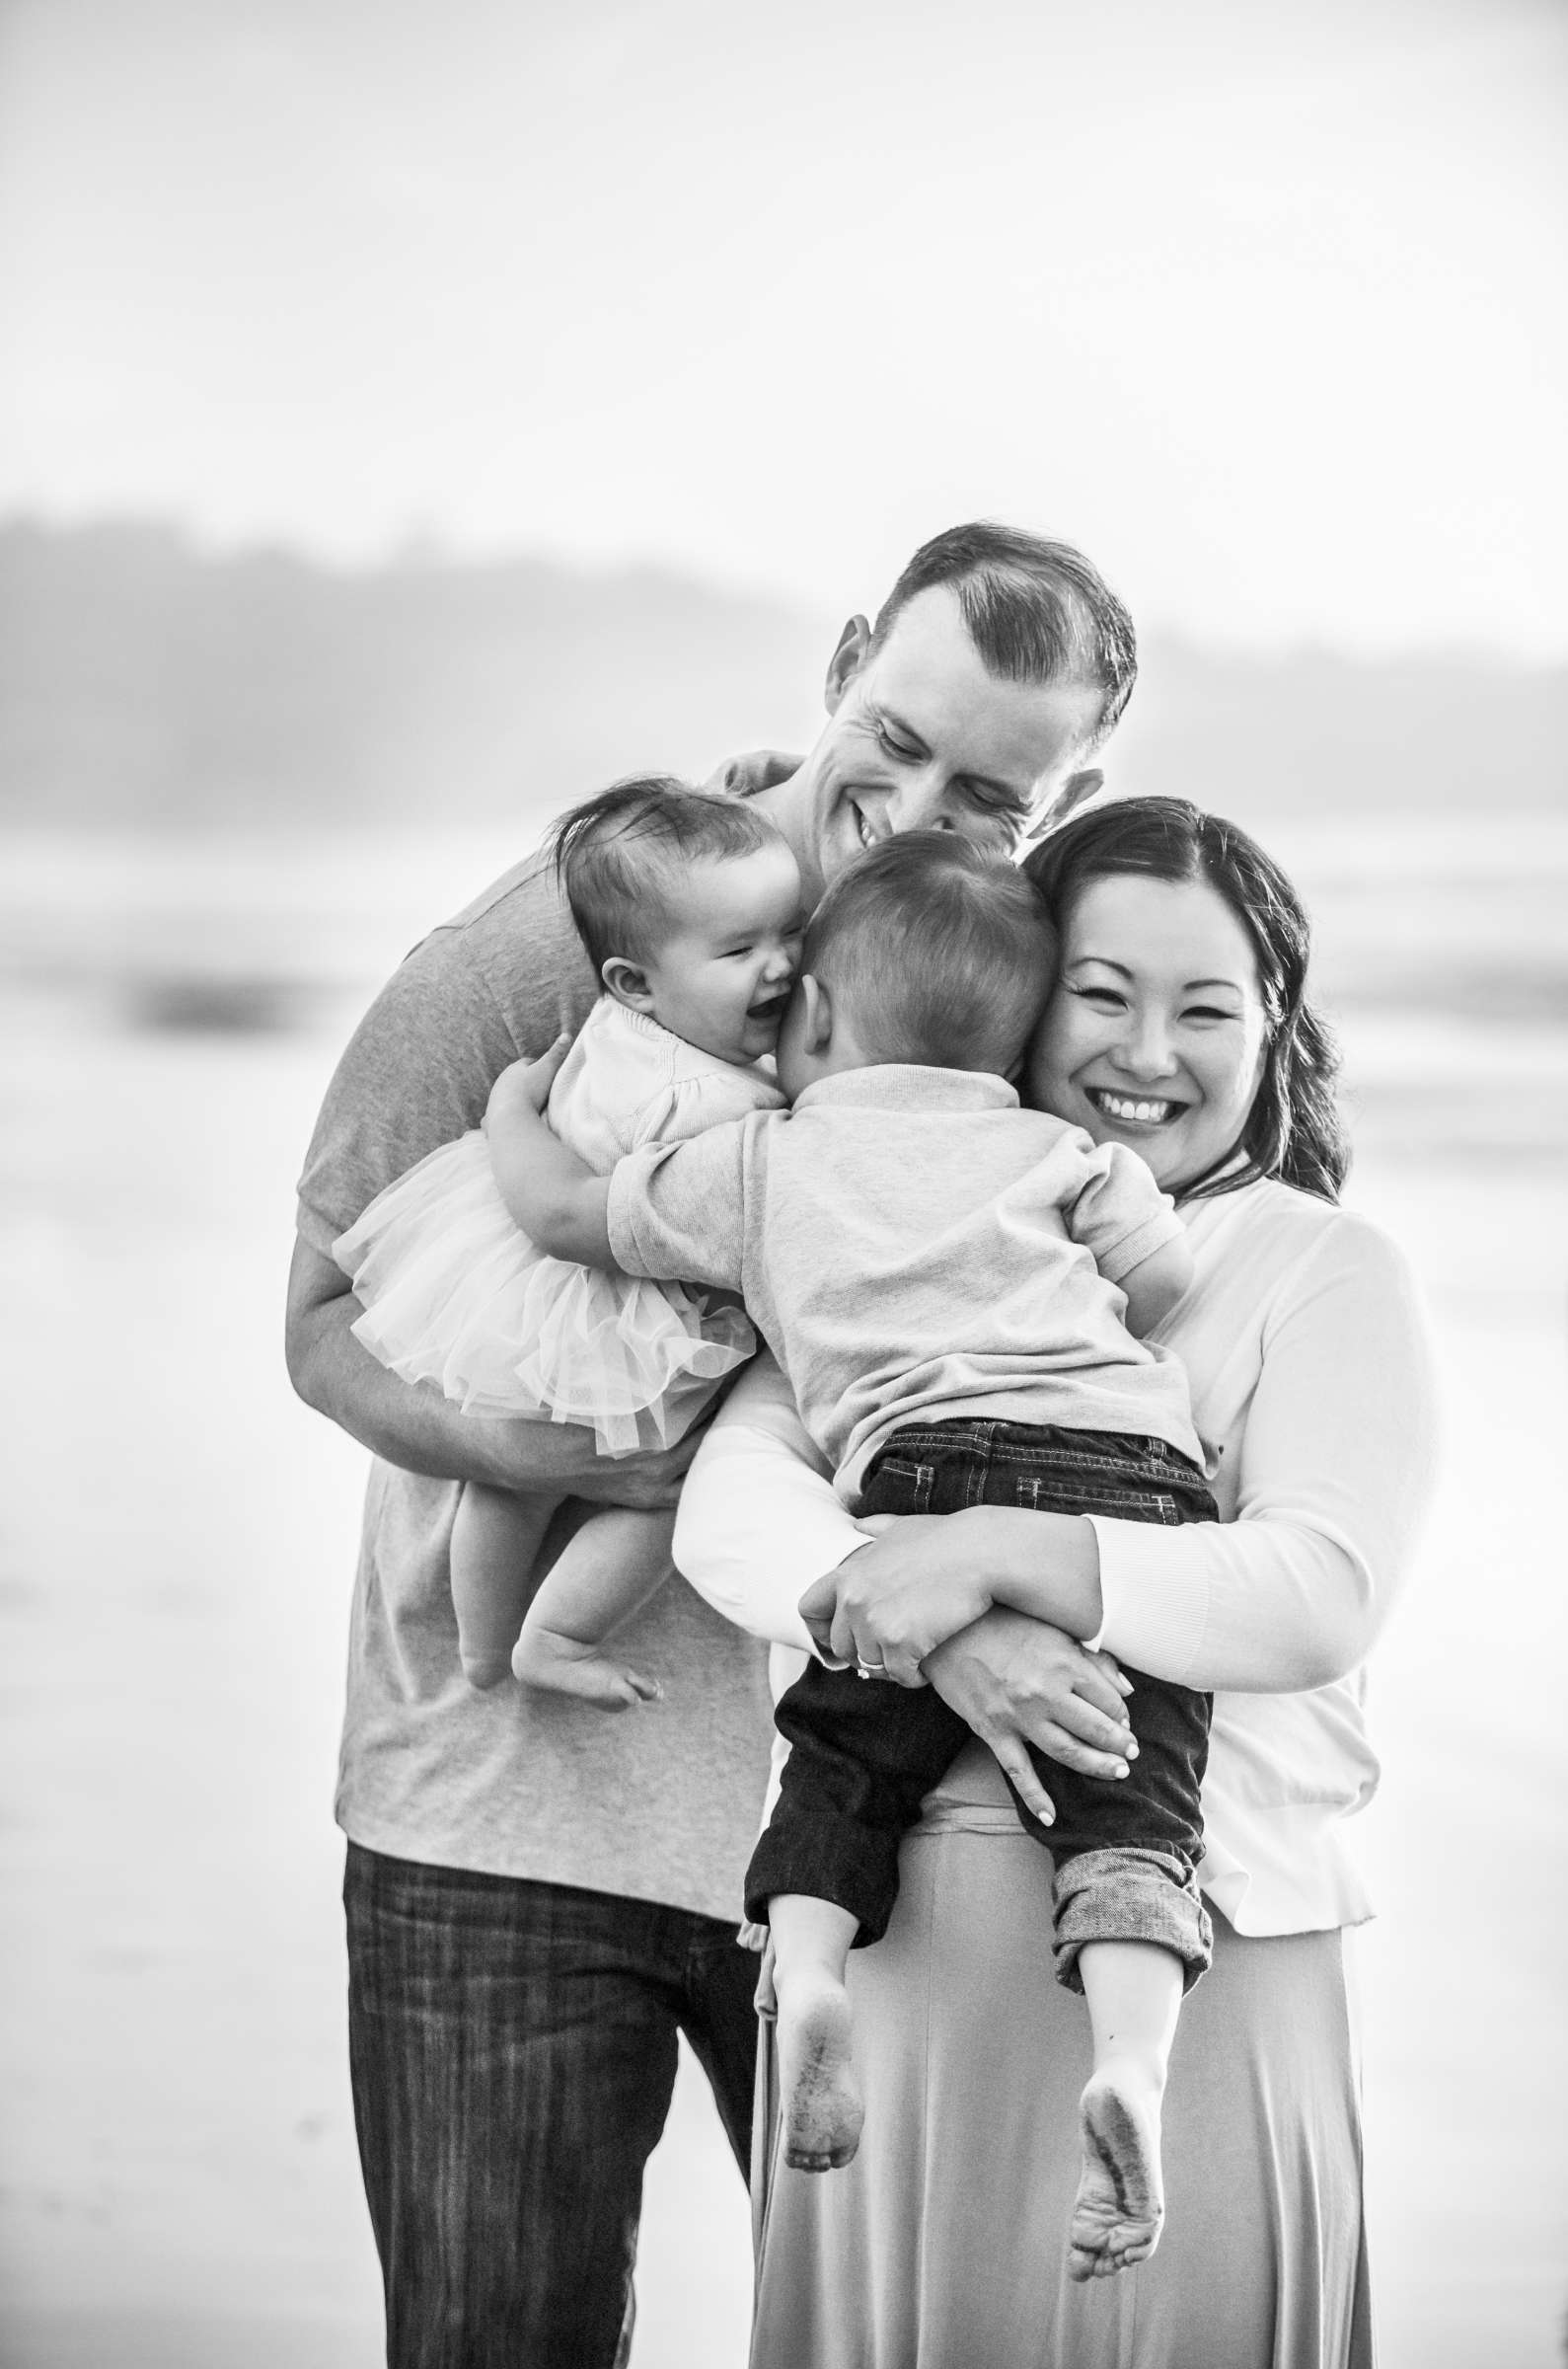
x=177 y=2179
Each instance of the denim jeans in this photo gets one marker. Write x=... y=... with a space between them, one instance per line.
x=512 y=2048
x=862 y=1757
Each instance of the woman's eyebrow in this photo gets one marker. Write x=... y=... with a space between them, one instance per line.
x=1104 y=962
x=1189 y=986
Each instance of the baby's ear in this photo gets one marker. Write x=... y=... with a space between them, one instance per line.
x=628 y=982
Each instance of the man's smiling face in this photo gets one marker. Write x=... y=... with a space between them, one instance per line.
x=921 y=737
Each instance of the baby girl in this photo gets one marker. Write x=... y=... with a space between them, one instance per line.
x=690 y=908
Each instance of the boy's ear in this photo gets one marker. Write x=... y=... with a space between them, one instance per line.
x=846 y=662
x=628 y=982
x=818 y=1031
x=1076 y=792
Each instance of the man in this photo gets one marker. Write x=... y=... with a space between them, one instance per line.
x=539 y=1896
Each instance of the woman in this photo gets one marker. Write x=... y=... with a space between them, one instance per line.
x=1178 y=1026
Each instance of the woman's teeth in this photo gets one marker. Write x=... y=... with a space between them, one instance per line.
x=1121 y=1106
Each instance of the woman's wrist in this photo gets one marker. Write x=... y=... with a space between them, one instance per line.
x=1046 y=1564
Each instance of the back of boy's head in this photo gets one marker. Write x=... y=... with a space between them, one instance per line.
x=934 y=952
x=622 y=855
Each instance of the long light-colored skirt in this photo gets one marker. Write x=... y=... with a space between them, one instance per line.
x=943 y=2246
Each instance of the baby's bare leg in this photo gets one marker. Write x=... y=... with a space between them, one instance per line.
x=496 y=1535
x=608 y=1572
x=1133 y=1994
x=822 y=2110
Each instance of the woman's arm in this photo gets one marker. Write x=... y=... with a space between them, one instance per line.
x=1336 y=1463
x=759 y=1521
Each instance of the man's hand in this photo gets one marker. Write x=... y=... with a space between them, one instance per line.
x=1018 y=1681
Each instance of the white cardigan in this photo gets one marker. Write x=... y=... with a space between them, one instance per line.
x=1312 y=1392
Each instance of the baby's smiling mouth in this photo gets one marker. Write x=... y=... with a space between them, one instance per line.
x=769 y=1007
x=1139 y=1110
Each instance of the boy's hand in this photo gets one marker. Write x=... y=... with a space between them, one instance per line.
x=524 y=1086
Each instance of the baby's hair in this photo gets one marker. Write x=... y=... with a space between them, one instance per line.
x=937 y=954
x=619 y=855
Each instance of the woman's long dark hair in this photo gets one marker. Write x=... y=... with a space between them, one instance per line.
x=1294 y=1130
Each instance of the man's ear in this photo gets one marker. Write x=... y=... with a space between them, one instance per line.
x=1076 y=792
x=628 y=982
x=817 y=1033
x=846 y=662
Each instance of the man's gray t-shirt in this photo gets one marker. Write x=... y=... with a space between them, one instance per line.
x=654 y=1805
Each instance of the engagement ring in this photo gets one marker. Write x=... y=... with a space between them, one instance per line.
x=870 y=1669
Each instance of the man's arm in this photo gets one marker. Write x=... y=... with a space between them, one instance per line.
x=415 y=1427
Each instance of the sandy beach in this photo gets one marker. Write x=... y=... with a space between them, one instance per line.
x=178 y=2186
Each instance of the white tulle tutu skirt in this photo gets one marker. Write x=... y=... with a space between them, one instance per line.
x=456 y=1294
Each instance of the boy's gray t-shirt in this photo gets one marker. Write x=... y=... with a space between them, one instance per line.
x=658 y=1804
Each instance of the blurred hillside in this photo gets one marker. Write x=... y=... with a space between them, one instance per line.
x=143 y=684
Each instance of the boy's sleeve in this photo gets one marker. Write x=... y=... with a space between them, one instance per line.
x=676 y=1210
x=1118 y=1212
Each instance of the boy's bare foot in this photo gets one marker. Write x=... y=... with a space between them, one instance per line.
x=549 y=1662
x=1120 y=2202
x=822 y=2107
x=485 y=1670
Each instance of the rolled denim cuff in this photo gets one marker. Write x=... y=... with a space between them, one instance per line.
x=828 y=1856
x=1130 y=1896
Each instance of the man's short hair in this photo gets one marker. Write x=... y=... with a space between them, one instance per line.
x=619 y=856
x=936 y=951
x=1036 y=611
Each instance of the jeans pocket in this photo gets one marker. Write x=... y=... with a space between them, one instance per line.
x=897 y=1479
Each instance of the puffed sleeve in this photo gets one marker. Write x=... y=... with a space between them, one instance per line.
x=689 y=1106
x=759 y=1518
x=1337 y=1461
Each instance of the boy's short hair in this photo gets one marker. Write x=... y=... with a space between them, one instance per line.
x=1036 y=611
x=618 y=856
x=937 y=952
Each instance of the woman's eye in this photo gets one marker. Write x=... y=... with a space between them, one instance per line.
x=1205 y=1012
x=1100 y=995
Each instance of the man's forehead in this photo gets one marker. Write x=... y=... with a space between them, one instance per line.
x=928 y=675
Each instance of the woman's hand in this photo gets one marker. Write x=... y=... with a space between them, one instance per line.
x=1018 y=1681
x=887 y=1614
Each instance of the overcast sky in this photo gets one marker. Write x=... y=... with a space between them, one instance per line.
x=1260 y=303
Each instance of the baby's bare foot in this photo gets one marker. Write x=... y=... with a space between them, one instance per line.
x=485 y=1670
x=822 y=2108
x=549 y=1662
x=1120 y=2203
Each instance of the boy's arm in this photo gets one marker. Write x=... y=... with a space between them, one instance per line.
x=556 y=1198
x=1154 y=1285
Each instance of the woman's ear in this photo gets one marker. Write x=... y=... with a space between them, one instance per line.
x=846 y=662
x=628 y=982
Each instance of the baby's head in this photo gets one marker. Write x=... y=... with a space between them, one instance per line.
x=690 y=908
x=926 y=949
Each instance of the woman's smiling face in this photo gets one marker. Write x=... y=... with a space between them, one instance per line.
x=1154 y=1032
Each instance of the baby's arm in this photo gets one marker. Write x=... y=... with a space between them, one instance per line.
x=551 y=1194
x=1154 y=1285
